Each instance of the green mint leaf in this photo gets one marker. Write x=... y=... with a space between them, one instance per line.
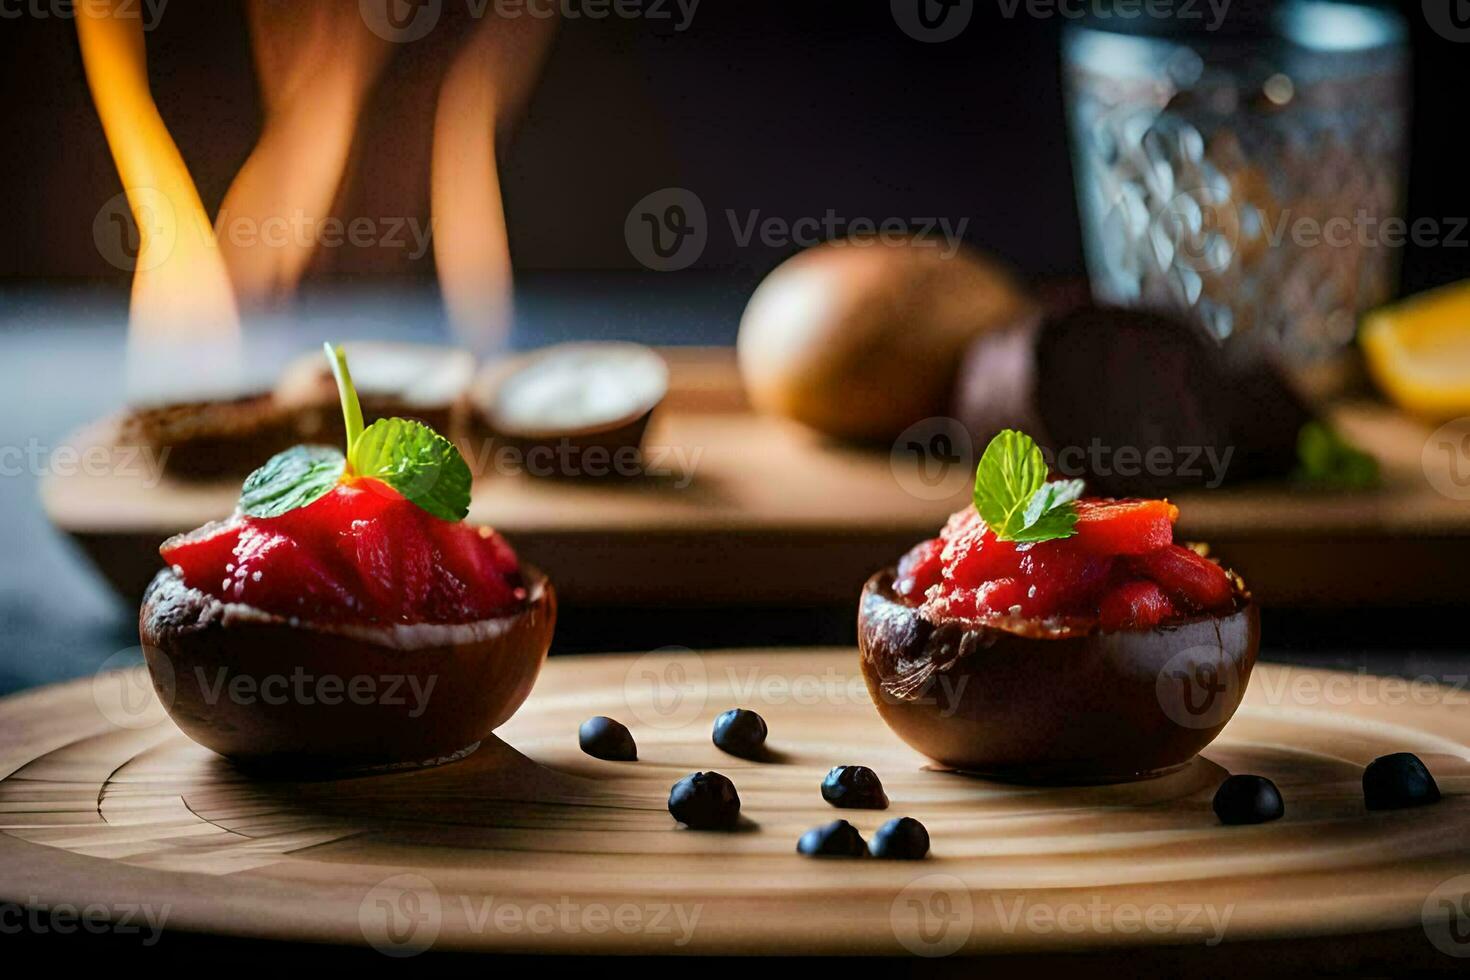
x=1324 y=457
x=417 y=462
x=1010 y=473
x=1014 y=498
x=1051 y=497
x=292 y=479
x=1060 y=522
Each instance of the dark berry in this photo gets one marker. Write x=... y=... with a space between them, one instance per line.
x=1392 y=782
x=902 y=838
x=836 y=839
x=603 y=738
x=705 y=801
x=854 y=788
x=1248 y=799
x=741 y=733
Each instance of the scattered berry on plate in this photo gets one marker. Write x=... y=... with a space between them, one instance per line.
x=603 y=738
x=836 y=839
x=705 y=801
x=855 y=788
x=902 y=839
x=1392 y=782
x=741 y=733
x=1248 y=799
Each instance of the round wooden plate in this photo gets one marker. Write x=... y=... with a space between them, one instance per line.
x=529 y=845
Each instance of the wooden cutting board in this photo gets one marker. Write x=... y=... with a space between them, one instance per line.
x=529 y=845
x=753 y=510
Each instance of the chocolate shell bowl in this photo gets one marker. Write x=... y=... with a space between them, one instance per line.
x=1061 y=707
x=292 y=696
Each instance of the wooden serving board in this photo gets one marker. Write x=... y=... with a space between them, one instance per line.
x=529 y=845
x=754 y=510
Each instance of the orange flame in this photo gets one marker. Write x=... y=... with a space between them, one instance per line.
x=316 y=63
x=181 y=291
x=488 y=82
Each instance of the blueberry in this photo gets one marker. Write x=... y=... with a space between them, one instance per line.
x=1394 y=781
x=836 y=839
x=705 y=801
x=902 y=839
x=1248 y=799
x=741 y=733
x=855 y=788
x=603 y=738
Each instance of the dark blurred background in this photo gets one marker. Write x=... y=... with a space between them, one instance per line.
x=785 y=107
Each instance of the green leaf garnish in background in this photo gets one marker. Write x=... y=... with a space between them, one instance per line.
x=1325 y=458
x=1013 y=496
x=417 y=462
x=299 y=476
x=408 y=456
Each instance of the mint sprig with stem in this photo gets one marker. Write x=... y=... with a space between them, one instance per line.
x=1014 y=497
x=408 y=456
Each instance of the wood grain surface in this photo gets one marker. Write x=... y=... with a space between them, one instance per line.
x=739 y=495
x=529 y=845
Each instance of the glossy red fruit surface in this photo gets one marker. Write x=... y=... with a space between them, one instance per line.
x=1124 y=527
x=1120 y=570
x=1134 y=605
x=1190 y=579
x=361 y=553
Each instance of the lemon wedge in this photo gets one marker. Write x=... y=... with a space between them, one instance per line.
x=1418 y=351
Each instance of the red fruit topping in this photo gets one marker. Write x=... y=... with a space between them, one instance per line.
x=1121 y=570
x=1062 y=579
x=919 y=569
x=361 y=553
x=1001 y=597
x=973 y=555
x=1134 y=605
x=1124 y=527
x=210 y=546
x=1190 y=580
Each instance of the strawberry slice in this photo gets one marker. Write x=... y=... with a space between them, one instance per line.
x=479 y=568
x=1134 y=605
x=974 y=556
x=1059 y=577
x=206 y=552
x=1190 y=580
x=1124 y=527
x=1000 y=596
x=277 y=573
x=919 y=569
x=366 y=546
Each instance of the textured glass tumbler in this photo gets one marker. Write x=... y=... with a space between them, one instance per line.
x=1250 y=176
